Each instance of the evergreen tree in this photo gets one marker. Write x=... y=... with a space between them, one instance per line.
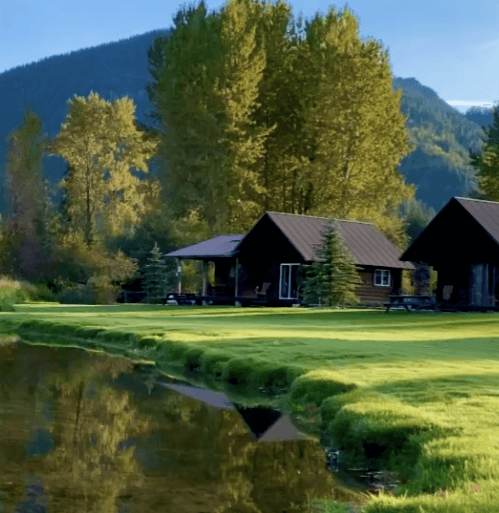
x=28 y=200
x=417 y=217
x=155 y=276
x=487 y=162
x=333 y=278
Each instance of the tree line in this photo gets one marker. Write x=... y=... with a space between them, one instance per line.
x=261 y=111
x=253 y=110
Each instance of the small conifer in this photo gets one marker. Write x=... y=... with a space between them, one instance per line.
x=155 y=276
x=333 y=279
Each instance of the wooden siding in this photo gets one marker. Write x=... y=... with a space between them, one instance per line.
x=369 y=293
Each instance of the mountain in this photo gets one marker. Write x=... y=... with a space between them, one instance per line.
x=113 y=70
x=439 y=167
x=482 y=116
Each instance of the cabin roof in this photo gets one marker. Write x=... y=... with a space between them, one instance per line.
x=463 y=225
x=222 y=246
x=486 y=213
x=366 y=244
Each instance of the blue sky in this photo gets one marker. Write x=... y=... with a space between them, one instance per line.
x=451 y=46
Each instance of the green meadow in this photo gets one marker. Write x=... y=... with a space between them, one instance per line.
x=417 y=391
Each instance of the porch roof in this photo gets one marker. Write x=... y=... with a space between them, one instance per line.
x=222 y=246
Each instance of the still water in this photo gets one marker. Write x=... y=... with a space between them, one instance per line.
x=89 y=432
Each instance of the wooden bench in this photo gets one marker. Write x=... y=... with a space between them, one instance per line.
x=413 y=303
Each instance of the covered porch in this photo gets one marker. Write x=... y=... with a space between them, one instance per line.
x=468 y=286
x=238 y=278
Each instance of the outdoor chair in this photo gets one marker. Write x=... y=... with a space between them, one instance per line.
x=263 y=291
x=447 y=291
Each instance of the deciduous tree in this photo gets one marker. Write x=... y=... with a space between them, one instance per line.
x=360 y=132
x=102 y=146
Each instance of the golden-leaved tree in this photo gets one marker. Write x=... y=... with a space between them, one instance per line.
x=206 y=83
x=102 y=145
x=360 y=132
x=105 y=196
x=264 y=112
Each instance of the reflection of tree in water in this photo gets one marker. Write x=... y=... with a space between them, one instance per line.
x=35 y=498
x=63 y=393
x=189 y=458
x=93 y=419
x=209 y=462
x=266 y=477
x=21 y=407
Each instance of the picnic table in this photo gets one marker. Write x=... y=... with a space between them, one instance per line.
x=413 y=303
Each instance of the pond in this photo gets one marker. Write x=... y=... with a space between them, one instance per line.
x=84 y=431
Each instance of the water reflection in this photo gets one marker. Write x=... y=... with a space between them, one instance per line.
x=86 y=432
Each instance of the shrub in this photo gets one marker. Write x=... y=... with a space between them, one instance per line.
x=75 y=295
x=89 y=332
x=6 y=306
x=42 y=293
x=171 y=351
x=15 y=291
x=103 y=290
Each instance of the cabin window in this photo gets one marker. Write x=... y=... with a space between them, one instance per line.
x=288 y=283
x=382 y=278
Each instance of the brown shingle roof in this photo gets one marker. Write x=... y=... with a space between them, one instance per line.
x=218 y=247
x=367 y=245
x=485 y=212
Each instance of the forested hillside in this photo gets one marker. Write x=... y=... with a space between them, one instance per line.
x=439 y=167
x=113 y=70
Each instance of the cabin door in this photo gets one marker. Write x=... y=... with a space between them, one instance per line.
x=288 y=281
x=479 y=285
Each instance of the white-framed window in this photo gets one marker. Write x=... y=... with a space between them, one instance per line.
x=382 y=278
x=288 y=281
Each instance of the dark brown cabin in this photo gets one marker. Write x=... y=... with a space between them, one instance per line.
x=268 y=260
x=462 y=244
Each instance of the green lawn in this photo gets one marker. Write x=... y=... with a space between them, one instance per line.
x=423 y=388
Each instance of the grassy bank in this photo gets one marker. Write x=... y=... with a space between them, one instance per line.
x=418 y=392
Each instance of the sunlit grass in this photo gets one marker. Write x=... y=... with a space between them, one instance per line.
x=422 y=388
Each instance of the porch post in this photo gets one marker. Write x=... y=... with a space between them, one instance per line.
x=205 y=276
x=179 y=275
x=493 y=291
x=236 y=288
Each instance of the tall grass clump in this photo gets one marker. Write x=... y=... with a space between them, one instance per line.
x=315 y=386
x=212 y=365
x=14 y=291
x=271 y=378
